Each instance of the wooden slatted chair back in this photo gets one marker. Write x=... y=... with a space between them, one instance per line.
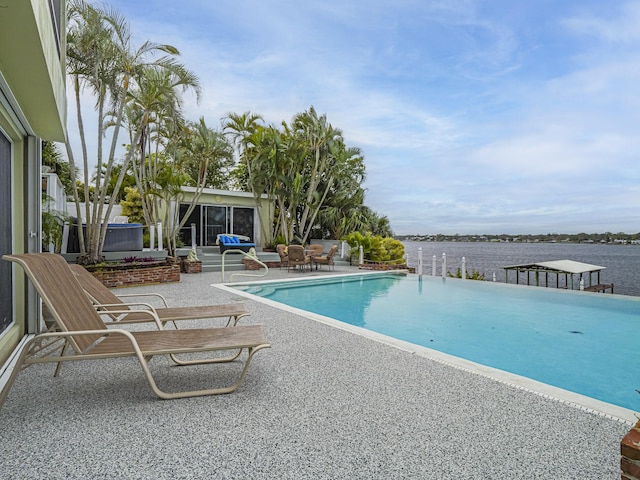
x=62 y=294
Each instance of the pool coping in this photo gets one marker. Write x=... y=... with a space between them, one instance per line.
x=567 y=397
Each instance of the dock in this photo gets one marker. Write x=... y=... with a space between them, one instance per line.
x=601 y=288
x=565 y=268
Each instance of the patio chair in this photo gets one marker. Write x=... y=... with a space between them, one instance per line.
x=83 y=330
x=327 y=259
x=282 y=252
x=297 y=257
x=315 y=249
x=113 y=306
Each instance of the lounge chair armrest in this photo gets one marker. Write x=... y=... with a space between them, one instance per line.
x=124 y=307
x=142 y=295
x=76 y=333
x=121 y=316
x=102 y=333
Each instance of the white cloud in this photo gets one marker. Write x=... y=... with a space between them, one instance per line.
x=473 y=116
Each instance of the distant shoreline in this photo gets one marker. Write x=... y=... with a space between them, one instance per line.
x=580 y=238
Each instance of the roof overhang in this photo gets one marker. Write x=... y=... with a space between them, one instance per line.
x=557 y=266
x=32 y=64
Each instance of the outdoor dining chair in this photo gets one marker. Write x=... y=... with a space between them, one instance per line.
x=297 y=257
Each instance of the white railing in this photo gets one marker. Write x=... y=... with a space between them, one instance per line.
x=246 y=255
x=444 y=272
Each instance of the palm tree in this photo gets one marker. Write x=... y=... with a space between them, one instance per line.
x=247 y=135
x=327 y=159
x=110 y=181
x=240 y=127
x=210 y=156
x=102 y=60
x=269 y=159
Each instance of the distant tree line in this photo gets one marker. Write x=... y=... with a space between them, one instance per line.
x=606 y=237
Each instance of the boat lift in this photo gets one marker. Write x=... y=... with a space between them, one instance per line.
x=561 y=267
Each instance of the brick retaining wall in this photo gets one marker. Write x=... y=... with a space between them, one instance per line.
x=253 y=265
x=630 y=454
x=125 y=276
x=382 y=266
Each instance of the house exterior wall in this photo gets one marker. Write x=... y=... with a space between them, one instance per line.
x=32 y=107
x=264 y=213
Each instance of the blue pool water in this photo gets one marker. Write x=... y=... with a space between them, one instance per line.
x=582 y=342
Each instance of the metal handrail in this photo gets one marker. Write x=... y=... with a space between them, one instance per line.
x=249 y=256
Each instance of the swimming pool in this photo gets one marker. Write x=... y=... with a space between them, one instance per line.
x=581 y=342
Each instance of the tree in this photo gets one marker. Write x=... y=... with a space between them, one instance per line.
x=52 y=223
x=156 y=103
x=111 y=181
x=380 y=225
x=209 y=150
x=240 y=127
x=52 y=158
x=325 y=151
x=205 y=152
x=344 y=211
x=102 y=61
x=248 y=136
x=306 y=169
x=132 y=205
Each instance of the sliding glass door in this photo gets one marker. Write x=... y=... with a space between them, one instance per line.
x=216 y=222
x=242 y=221
x=213 y=220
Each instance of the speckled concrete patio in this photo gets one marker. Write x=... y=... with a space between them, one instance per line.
x=322 y=403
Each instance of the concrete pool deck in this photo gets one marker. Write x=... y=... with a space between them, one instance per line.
x=323 y=402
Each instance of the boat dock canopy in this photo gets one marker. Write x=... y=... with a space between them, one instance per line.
x=557 y=266
x=567 y=268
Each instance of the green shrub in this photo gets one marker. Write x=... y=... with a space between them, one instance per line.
x=474 y=275
x=375 y=248
x=132 y=205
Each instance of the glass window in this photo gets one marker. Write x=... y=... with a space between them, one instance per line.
x=185 y=231
x=243 y=221
x=216 y=222
x=213 y=220
x=6 y=215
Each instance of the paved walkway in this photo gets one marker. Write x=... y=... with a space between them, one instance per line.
x=322 y=403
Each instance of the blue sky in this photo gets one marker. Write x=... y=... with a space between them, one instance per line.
x=473 y=116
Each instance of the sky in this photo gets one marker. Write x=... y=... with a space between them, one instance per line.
x=474 y=116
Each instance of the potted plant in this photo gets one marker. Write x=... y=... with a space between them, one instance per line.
x=192 y=264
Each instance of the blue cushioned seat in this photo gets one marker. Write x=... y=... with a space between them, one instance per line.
x=229 y=242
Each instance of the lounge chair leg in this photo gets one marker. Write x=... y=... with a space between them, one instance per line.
x=198 y=393
x=17 y=368
x=234 y=319
x=177 y=361
x=59 y=365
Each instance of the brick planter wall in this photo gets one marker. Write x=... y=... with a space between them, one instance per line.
x=191 y=267
x=140 y=274
x=630 y=454
x=382 y=266
x=253 y=265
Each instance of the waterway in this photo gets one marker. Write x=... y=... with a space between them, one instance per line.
x=622 y=262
